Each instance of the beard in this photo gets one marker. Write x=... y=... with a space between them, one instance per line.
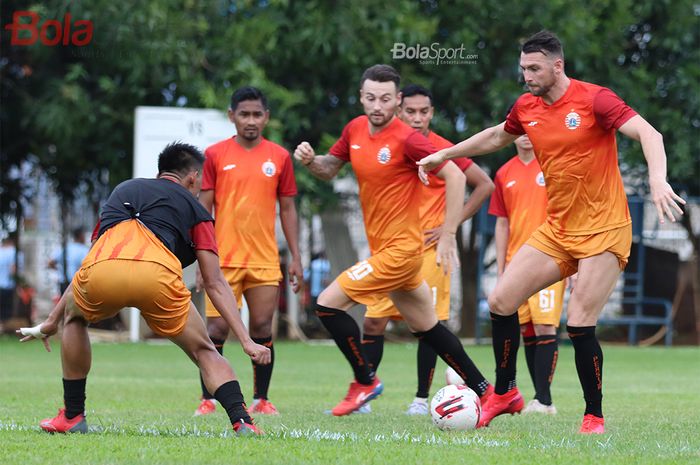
x=379 y=119
x=250 y=135
x=540 y=89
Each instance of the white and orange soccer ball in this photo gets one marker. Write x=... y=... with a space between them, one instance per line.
x=455 y=407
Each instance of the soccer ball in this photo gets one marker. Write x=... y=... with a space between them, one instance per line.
x=455 y=407
x=451 y=377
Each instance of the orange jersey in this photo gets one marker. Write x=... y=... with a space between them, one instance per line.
x=431 y=203
x=574 y=142
x=247 y=184
x=520 y=196
x=385 y=167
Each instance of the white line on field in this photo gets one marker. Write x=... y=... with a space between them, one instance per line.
x=316 y=435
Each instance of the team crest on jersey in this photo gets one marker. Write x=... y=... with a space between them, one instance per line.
x=384 y=155
x=269 y=169
x=540 y=179
x=572 y=120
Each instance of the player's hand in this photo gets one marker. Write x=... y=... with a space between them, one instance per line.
x=665 y=199
x=198 y=280
x=423 y=175
x=41 y=331
x=296 y=274
x=431 y=236
x=304 y=153
x=432 y=161
x=447 y=252
x=257 y=353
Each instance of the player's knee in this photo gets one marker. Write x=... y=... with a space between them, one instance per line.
x=373 y=326
x=498 y=305
x=261 y=328
x=217 y=328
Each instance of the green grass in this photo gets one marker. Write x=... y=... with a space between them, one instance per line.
x=141 y=398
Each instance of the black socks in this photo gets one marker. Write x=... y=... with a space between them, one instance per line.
x=449 y=348
x=506 y=340
x=346 y=335
x=374 y=349
x=589 y=365
x=74 y=397
x=427 y=358
x=263 y=373
x=231 y=399
x=546 y=356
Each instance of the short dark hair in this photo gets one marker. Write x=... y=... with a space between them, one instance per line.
x=381 y=73
x=544 y=42
x=247 y=93
x=414 y=89
x=180 y=158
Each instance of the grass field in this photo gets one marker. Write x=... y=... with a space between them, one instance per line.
x=141 y=398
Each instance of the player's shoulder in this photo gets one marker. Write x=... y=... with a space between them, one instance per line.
x=507 y=167
x=438 y=141
x=218 y=148
x=276 y=149
x=357 y=123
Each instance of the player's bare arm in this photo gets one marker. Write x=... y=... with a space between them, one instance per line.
x=652 y=141
x=289 y=220
x=454 y=199
x=223 y=299
x=501 y=239
x=487 y=141
x=324 y=167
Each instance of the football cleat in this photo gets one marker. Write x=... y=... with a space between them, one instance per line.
x=487 y=393
x=592 y=425
x=366 y=408
x=206 y=407
x=511 y=402
x=358 y=395
x=61 y=424
x=243 y=428
x=263 y=407
x=535 y=406
x=418 y=407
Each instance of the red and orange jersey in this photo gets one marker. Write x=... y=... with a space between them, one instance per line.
x=385 y=167
x=247 y=184
x=131 y=240
x=520 y=196
x=574 y=142
x=431 y=203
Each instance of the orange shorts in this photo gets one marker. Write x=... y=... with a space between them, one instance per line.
x=544 y=308
x=438 y=282
x=389 y=270
x=567 y=250
x=102 y=289
x=242 y=279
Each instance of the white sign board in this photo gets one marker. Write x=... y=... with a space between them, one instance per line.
x=156 y=127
